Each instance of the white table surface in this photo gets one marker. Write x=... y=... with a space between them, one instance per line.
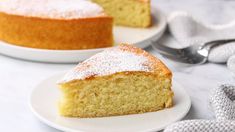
x=18 y=77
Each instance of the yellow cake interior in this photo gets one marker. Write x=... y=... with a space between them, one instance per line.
x=135 y=13
x=117 y=94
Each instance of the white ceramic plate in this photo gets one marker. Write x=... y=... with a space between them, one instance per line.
x=44 y=99
x=140 y=37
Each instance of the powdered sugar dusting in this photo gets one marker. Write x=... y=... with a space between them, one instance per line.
x=60 y=9
x=109 y=62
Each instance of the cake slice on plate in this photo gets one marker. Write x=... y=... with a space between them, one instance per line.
x=118 y=81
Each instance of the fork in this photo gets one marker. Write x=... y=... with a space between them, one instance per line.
x=194 y=54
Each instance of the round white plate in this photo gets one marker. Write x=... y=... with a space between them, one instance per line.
x=44 y=99
x=140 y=37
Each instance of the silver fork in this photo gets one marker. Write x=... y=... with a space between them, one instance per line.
x=194 y=54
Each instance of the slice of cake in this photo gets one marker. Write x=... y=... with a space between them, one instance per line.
x=55 y=24
x=118 y=81
x=135 y=13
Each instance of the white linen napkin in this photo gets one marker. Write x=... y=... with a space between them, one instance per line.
x=222 y=102
x=185 y=30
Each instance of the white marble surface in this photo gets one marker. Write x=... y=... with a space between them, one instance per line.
x=17 y=77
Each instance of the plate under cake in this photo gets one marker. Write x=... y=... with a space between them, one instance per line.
x=118 y=81
x=55 y=24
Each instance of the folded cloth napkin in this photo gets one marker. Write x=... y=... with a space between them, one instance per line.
x=222 y=102
x=185 y=30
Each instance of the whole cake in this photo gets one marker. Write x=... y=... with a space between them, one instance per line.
x=55 y=24
x=118 y=81
x=68 y=24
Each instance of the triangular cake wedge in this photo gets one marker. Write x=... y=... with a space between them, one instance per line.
x=118 y=81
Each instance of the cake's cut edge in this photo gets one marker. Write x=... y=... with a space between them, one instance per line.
x=117 y=97
x=133 y=13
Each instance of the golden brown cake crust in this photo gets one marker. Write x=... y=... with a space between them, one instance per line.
x=145 y=1
x=110 y=62
x=155 y=64
x=35 y=32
